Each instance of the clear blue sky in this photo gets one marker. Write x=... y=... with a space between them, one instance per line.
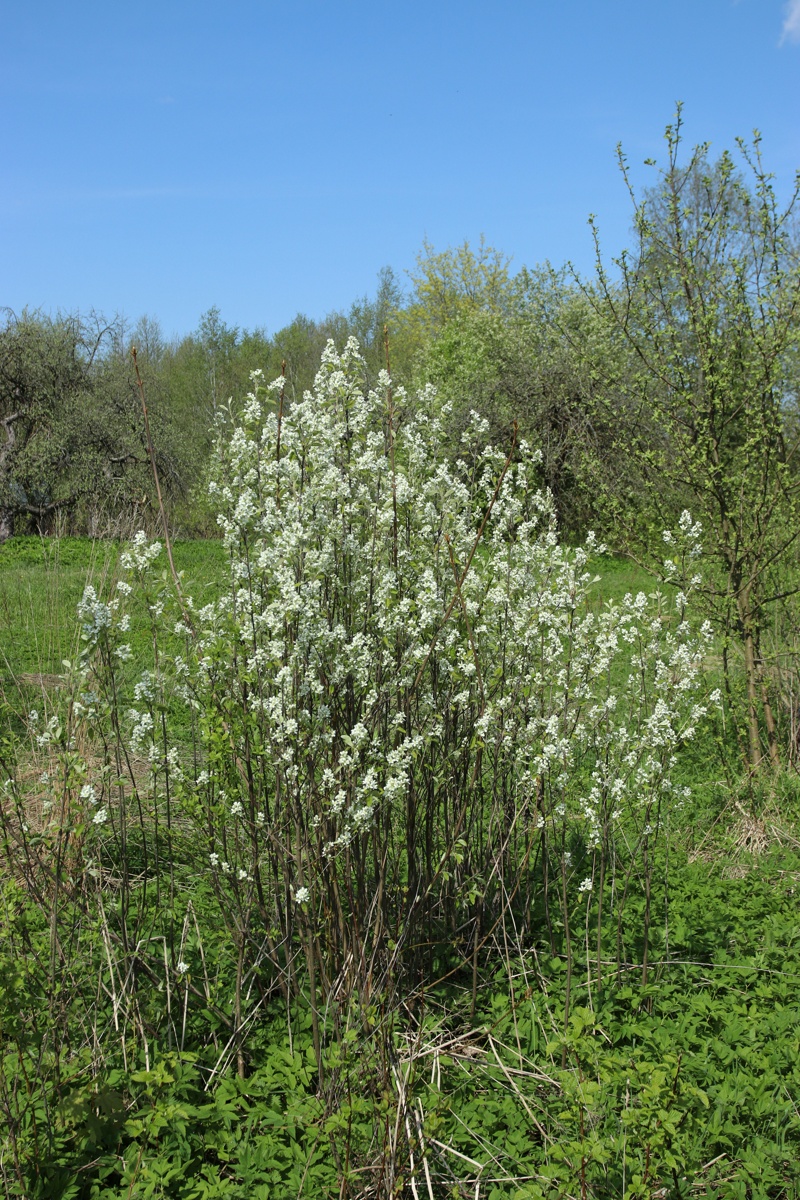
x=270 y=157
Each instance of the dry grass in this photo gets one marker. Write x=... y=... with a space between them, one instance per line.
x=749 y=833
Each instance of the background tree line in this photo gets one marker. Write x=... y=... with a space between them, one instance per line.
x=73 y=453
x=509 y=346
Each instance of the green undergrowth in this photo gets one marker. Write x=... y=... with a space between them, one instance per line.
x=683 y=1086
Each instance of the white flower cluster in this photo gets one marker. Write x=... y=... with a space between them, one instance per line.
x=686 y=545
x=51 y=733
x=369 y=649
x=95 y=615
x=139 y=555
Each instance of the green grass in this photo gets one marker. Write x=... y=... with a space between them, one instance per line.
x=617 y=577
x=42 y=581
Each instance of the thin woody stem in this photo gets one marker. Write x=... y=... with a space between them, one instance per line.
x=162 y=511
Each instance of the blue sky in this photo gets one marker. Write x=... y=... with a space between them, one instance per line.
x=270 y=157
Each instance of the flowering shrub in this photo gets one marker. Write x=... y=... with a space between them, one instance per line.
x=410 y=720
x=410 y=717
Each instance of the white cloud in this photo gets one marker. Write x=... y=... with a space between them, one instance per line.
x=791 y=22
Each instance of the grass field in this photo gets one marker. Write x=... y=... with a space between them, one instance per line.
x=42 y=580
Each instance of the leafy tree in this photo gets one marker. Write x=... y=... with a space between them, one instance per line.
x=544 y=366
x=51 y=431
x=370 y=320
x=188 y=384
x=299 y=345
x=204 y=369
x=71 y=440
x=708 y=303
x=450 y=283
x=219 y=343
x=148 y=338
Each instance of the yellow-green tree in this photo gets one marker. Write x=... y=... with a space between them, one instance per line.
x=453 y=282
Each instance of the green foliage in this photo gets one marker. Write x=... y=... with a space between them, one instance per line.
x=543 y=363
x=708 y=305
x=204 y=1026
x=456 y=281
x=72 y=450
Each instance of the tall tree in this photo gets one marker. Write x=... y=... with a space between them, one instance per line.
x=46 y=408
x=708 y=302
x=450 y=283
x=546 y=366
x=370 y=320
x=71 y=435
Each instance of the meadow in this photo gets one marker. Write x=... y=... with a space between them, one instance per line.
x=395 y=849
